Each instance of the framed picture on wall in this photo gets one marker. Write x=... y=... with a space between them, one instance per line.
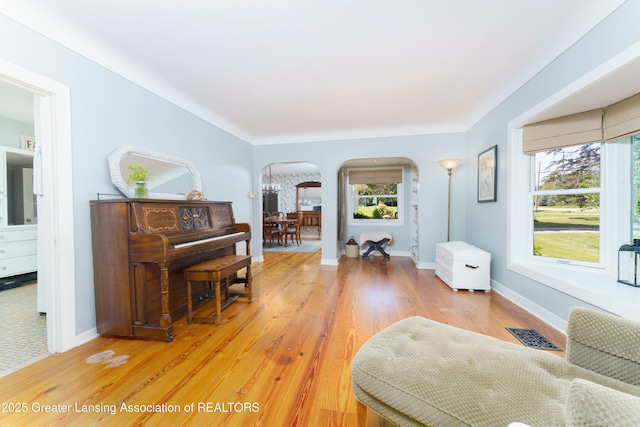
x=27 y=142
x=487 y=175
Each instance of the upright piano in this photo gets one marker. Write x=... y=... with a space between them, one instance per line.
x=141 y=246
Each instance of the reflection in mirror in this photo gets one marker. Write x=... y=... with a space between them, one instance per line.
x=170 y=178
x=21 y=202
x=308 y=196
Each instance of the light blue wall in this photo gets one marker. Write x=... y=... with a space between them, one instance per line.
x=486 y=222
x=10 y=131
x=423 y=150
x=108 y=110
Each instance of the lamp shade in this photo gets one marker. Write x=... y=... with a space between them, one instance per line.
x=449 y=163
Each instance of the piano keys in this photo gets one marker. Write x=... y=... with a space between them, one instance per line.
x=141 y=246
x=207 y=240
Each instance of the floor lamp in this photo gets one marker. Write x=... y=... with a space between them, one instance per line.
x=449 y=165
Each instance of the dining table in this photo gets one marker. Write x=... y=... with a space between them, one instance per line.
x=284 y=222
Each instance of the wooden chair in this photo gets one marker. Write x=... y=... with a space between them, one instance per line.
x=270 y=230
x=293 y=230
x=279 y=215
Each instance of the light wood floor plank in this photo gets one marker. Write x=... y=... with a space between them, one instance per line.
x=283 y=359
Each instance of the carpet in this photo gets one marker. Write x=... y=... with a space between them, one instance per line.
x=306 y=246
x=531 y=338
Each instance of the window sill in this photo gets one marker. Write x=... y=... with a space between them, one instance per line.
x=593 y=286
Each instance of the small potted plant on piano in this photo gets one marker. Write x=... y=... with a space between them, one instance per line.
x=139 y=175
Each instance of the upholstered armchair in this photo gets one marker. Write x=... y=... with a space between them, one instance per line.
x=420 y=372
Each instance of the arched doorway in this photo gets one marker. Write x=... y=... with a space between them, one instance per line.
x=361 y=201
x=280 y=192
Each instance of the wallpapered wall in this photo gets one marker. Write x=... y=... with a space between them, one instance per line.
x=287 y=195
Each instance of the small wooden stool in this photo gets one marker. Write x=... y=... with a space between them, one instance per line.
x=215 y=271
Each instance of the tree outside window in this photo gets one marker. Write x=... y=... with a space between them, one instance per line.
x=566 y=203
x=635 y=187
x=375 y=201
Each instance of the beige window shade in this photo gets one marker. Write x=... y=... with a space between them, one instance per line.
x=581 y=128
x=377 y=176
x=622 y=119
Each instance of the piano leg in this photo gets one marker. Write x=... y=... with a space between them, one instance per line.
x=165 y=318
x=189 y=304
x=218 y=316
x=249 y=284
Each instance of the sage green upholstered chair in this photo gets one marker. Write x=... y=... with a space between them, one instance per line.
x=420 y=372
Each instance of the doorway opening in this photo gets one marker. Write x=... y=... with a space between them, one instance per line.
x=283 y=192
x=52 y=178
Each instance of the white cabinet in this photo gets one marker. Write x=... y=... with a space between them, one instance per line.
x=463 y=266
x=18 y=214
x=18 y=250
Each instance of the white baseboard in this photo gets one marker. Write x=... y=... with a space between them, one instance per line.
x=421 y=265
x=85 y=337
x=546 y=316
x=327 y=261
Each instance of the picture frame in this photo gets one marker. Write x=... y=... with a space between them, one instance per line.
x=488 y=175
x=27 y=143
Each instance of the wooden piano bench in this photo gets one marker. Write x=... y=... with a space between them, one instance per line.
x=217 y=271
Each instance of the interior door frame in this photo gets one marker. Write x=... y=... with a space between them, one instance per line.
x=53 y=176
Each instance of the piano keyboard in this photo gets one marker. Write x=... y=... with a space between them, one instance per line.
x=210 y=239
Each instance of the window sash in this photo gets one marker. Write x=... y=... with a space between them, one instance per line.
x=567 y=192
x=351 y=196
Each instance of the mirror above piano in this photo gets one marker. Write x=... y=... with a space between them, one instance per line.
x=169 y=178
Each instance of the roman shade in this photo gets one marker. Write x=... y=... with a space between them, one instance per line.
x=375 y=176
x=581 y=128
x=622 y=119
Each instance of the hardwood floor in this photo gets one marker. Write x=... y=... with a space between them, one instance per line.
x=282 y=360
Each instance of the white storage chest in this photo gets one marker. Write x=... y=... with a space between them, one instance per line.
x=463 y=266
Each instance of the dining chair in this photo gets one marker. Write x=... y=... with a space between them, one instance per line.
x=270 y=230
x=293 y=230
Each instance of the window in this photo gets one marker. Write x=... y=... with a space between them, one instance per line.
x=614 y=187
x=635 y=187
x=565 y=195
x=375 y=196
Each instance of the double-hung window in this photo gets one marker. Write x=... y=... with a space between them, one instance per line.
x=375 y=196
x=575 y=199
x=635 y=188
x=565 y=197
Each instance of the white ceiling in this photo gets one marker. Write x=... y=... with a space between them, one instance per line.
x=290 y=71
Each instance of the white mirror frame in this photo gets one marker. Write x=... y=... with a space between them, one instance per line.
x=116 y=156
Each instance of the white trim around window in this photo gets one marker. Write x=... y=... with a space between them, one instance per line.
x=393 y=222
x=595 y=284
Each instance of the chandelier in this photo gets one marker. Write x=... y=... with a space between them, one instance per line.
x=270 y=187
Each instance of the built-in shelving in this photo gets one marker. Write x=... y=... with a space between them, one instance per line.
x=415 y=242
